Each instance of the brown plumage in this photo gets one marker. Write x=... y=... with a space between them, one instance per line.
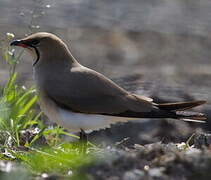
x=66 y=85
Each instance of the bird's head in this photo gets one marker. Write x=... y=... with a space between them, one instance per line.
x=43 y=45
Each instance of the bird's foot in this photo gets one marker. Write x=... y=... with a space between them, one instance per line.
x=83 y=141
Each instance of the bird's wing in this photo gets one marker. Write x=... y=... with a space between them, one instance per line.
x=84 y=90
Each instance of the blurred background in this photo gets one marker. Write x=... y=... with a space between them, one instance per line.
x=157 y=48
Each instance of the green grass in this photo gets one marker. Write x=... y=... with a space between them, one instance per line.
x=25 y=139
x=16 y=110
x=62 y=159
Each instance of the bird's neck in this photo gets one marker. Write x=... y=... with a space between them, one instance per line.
x=56 y=55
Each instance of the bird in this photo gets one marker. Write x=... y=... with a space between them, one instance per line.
x=81 y=99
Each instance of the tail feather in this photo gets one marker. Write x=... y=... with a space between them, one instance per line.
x=191 y=116
x=168 y=110
x=178 y=110
x=193 y=120
x=180 y=106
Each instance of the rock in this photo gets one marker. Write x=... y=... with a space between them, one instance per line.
x=201 y=140
x=156 y=172
x=135 y=174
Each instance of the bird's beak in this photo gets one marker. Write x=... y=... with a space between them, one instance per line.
x=27 y=45
x=20 y=43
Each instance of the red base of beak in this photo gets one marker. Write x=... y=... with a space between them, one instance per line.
x=22 y=45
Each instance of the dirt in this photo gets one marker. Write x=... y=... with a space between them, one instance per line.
x=154 y=161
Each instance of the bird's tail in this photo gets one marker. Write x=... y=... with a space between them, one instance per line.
x=178 y=111
x=168 y=110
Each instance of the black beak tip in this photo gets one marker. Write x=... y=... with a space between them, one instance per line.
x=15 y=42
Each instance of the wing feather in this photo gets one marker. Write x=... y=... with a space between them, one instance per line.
x=84 y=90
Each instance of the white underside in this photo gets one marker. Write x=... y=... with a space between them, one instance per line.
x=77 y=121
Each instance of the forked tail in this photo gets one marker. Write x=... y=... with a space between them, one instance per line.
x=169 y=110
x=178 y=111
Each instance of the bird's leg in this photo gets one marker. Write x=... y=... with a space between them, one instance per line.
x=83 y=141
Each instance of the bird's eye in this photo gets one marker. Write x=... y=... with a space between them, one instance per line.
x=35 y=42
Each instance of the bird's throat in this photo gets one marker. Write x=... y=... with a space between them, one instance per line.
x=37 y=55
